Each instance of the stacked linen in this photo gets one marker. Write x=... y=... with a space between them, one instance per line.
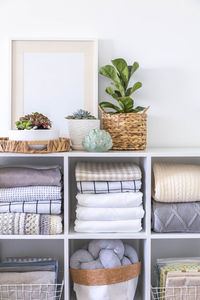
x=30 y=200
x=176 y=193
x=109 y=197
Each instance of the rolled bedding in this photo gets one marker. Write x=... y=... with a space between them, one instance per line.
x=30 y=193
x=176 y=217
x=51 y=207
x=108 y=226
x=176 y=182
x=30 y=224
x=91 y=171
x=108 y=214
x=102 y=254
x=110 y=200
x=104 y=187
x=26 y=176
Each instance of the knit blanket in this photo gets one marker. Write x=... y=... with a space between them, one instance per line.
x=102 y=254
x=104 y=187
x=176 y=217
x=108 y=226
x=30 y=193
x=109 y=214
x=51 y=207
x=110 y=200
x=91 y=171
x=176 y=182
x=24 y=176
x=22 y=223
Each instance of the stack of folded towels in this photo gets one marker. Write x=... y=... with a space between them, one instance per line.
x=176 y=194
x=109 y=197
x=28 y=278
x=30 y=200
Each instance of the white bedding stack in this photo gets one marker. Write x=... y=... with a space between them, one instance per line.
x=109 y=197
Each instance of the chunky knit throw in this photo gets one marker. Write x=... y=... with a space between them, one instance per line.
x=22 y=223
x=176 y=182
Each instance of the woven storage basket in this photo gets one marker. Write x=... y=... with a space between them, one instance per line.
x=128 y=130
x=115 y=283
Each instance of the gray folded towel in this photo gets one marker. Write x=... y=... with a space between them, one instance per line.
x=24 y=176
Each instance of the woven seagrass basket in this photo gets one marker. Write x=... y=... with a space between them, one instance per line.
x=128 y=130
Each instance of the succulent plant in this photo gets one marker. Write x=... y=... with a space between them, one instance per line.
x=120 y=73
x=81 y=114
x=33 y=121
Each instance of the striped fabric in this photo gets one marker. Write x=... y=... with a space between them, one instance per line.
x=90 y=171
x=104 y=187
x=37 y=207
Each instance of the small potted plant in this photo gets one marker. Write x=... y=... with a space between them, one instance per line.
x=33 y=127
x=79 y=123
x=125 y=122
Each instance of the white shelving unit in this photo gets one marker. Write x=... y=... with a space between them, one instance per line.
x=150 y=245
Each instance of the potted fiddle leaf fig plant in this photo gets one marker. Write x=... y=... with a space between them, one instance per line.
x=79 y=123
x=125 y=122
x=34 y=127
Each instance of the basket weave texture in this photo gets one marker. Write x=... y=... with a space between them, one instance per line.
x=59 y=145
x=105 y=276
x=128 y=130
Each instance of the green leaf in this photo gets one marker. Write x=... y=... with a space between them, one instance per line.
x=128 y=92
x=120 y=88
x=111 y=92
x=122 y=67
x=122 y=105
x=135 y=87
x=110 y=105
x=132 y=69
x=127 y=102
x=138 y=109
x=110 y=72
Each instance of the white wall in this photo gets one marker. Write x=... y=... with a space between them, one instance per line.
x=162 y=35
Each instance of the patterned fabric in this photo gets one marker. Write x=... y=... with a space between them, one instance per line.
x=37 y=207
x=104 y=187
x=89 y=171
x=26 y=259
x=176 y=182
x=176 y=217
x=24 y=224
x=30 y=193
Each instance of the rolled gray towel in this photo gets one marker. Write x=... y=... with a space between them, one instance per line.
x=109 y=259
x=95 y=246
x=92 y=265
x=130 y=253
x=125 y=261
x=79 y=257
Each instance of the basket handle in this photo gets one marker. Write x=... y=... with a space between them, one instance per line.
x=146 y=109
x=102 y=110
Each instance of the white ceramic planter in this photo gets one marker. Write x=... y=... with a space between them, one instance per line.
x=78 y=129
x=34 y=135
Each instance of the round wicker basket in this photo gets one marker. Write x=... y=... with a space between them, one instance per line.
x=128 y=130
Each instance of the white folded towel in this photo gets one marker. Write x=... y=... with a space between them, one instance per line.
x=109 y=214
x=110 y=200
x=108 y=226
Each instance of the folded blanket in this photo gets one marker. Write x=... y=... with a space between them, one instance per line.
x=91 y=171
x=20 y=176
x=176 y=217
x=104 y=187
x=102 y=254
x=110 y=200
x=32 y=289
x=109 y=214
x=51 y=207
x=108 y=226
x=30 y=193
x=176 y=182
x=21 y=223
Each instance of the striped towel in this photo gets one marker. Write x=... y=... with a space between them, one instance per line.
x=36 y=207
x=90 y=171
x=104 y=187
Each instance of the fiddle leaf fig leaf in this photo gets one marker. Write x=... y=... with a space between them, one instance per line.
x=120 y=88
x=110 y=72
x=122 y=67
x=135 y=87
x=110 y=105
